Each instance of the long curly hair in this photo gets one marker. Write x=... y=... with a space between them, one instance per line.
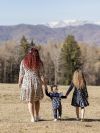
x=32 y=60
x=79 y=80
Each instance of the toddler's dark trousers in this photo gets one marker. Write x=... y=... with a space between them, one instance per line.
x=57 y=112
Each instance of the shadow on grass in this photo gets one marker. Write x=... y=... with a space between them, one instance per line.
x=85 y=120
x=68 y=119
x=48 y=120
x=41 y=120
x=92 y=120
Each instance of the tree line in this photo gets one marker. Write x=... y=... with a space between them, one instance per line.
x=60 y=60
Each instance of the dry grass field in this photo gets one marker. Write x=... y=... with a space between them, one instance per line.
x=14 y=116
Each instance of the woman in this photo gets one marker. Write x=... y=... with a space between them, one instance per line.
x=30 y=82
x=80 y=95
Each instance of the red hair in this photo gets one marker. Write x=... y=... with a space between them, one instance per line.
x=32 y=59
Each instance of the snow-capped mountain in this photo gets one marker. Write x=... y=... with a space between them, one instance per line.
x=64 y=23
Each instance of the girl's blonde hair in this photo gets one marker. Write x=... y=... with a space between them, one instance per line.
x=78 y=79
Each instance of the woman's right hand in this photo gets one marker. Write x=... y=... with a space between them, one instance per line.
x=44 y=81
x=19 y=85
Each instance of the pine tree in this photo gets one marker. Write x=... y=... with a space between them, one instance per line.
x=24 y=44
x=70 y=58
x=32 y=44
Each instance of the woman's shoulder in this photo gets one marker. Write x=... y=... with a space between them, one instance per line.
x=22 y=62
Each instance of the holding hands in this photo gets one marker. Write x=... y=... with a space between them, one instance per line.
x=44 y=80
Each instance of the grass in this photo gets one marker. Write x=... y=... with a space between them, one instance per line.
x=14 y=116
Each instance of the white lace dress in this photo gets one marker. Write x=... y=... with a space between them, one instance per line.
x=31 y=88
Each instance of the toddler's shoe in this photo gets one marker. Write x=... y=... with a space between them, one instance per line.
x=59 y=117
x=55 y=120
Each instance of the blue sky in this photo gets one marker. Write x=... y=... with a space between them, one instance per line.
x=42 y=11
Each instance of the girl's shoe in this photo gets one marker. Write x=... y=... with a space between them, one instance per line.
x=82 y=120
x=59 y=117
x=77 y=119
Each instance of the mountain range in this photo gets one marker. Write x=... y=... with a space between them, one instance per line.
x=64 y=23
x=54 y=31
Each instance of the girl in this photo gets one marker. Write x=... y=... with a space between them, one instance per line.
x=30 y=82
x=80 y=95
